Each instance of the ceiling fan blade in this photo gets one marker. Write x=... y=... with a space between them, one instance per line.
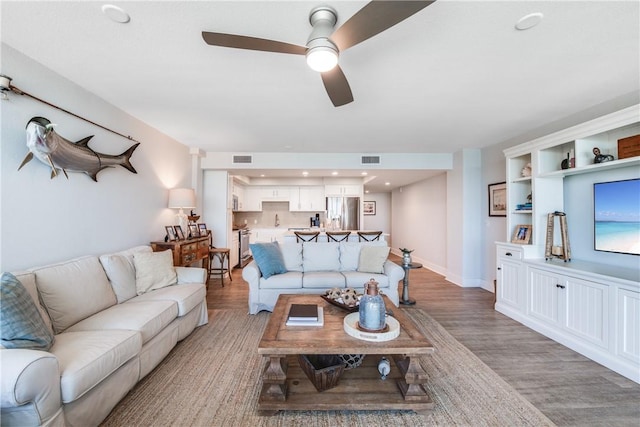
x=373 y=19
x=337 y=86
x=252 y=43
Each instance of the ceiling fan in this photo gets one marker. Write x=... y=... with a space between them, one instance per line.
x=324 y=44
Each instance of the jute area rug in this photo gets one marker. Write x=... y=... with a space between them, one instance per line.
x=213 y=378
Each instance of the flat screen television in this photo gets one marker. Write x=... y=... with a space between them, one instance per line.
x=616 y=208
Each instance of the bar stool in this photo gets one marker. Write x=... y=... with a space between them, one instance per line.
x=222 y=254
x=306 y=236
x=369 y=236
x=338 y=236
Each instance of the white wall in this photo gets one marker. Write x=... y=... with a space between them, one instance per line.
x=419 y=221
x=382 y=219
x=46 y=220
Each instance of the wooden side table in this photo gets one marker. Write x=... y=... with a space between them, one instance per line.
x=405 y=283
x=186 y=252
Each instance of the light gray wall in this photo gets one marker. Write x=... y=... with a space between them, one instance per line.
x=382 y=219
x=45 y=220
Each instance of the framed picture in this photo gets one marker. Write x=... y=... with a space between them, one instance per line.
x=522 y=234
x=179 y=232
x=369 y=208
x=498 y=199
x=171 y=233
x=202 y=228
x=193 y=230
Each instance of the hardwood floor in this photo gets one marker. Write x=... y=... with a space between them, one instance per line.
x=567 y=387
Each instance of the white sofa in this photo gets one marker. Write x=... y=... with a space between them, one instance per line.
x=107 y=338
x=314 y=267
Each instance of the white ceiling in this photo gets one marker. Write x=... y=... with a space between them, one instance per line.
x=455 y=75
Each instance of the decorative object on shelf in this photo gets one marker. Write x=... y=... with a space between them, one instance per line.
x=406 y=256
x=171 y=234
x=526 y=171
x=498 y=199
x=182 y=198
x=629 y=147
x=601 y=158
x=564 y=251
x=372 y=310
x=193 y=231
x=323 y=370
x=369 y=208
x=351 y=361
x=345 y=298
x=570 y=161
x=60 y=154
x=202 y=228
x=179 y=232
x=193 y=217
x=522 y=234
x=384 y=367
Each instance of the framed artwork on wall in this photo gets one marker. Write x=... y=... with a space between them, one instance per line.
x=498 y=199
x=369 y=208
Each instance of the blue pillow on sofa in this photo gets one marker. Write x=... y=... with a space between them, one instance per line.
x=269 y=258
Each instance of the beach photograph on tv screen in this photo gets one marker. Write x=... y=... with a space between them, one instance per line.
x=617 y=216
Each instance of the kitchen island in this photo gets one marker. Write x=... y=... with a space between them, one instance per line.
x=289 y=236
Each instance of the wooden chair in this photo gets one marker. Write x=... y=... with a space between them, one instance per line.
x=222 y=254
x=306 y=236
x=368 y=236
x=338 y=236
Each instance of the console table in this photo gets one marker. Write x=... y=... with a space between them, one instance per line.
x=186 y=252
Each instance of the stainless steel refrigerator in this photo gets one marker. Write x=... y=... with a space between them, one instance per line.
x=343 y=213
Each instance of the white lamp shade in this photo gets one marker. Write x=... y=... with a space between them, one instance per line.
x=182 y=198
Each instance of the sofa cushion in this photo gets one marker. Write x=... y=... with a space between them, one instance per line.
x=323 y=279
x=356 y=279
x=146 y=317
x=321 y=256
x=73 y=290
x=350 y=253
x=187 y=296
x=372 y=259
x=28 y=280
x=269 y=258
x=121 y=271
x=292 y=255
x=21 y=324
x=88 y=357
x=288 y=280
x=154 y=270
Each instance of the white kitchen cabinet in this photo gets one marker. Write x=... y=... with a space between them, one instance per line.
x=343 y=190
x=307 y=199
x=252 y=200
x=234 y=256
x=510 y=285
x=275 y=194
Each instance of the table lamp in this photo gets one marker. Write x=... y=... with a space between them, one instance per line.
x=182 y=198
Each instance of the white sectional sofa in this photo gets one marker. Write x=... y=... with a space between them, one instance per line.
x=106 y=337
x=314 y=267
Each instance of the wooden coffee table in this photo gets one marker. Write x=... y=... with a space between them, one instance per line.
x=286 y=387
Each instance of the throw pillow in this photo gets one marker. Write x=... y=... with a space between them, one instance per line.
x=21 y=325
x=154 y=270
x=269 y=258
x=372 y=259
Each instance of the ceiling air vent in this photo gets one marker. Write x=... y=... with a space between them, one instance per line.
x=370 y=160
x=244 y=159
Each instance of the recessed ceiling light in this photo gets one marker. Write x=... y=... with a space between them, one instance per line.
x=363 y=173
x=529 y=21
x=305 y=173
x=262 y=175
x=387 y=183
x=116 y=14
x=334 y=173
x=366 y=191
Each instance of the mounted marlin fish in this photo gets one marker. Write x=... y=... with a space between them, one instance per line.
x=61 y=154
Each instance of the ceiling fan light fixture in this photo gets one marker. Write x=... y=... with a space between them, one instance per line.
x=322 y=58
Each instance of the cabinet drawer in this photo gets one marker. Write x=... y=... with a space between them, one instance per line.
x=509 y=253
x=189 y=248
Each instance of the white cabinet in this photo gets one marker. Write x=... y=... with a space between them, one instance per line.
x=262 y=235
x=234 y=256
x=275 y=194
x=510 y=281
x=307 y=199
x=628 y=324
x=252 y=200
x=343 y=190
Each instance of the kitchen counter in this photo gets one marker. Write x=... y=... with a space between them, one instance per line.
x=290 y=236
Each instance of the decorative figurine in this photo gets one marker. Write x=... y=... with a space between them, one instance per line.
x=601 y=158
x=406 y=256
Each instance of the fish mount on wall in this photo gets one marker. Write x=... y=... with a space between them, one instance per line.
x=61 y=154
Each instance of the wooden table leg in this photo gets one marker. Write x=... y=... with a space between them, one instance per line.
x=274 y=379
x=413 y=377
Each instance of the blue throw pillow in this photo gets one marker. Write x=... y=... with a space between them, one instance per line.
x=269 y=258
x=21 y=325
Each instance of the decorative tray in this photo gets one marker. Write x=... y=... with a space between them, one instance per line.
x=345 y=307
x=351 y=327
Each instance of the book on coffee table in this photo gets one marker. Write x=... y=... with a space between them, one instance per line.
x=305 y=315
